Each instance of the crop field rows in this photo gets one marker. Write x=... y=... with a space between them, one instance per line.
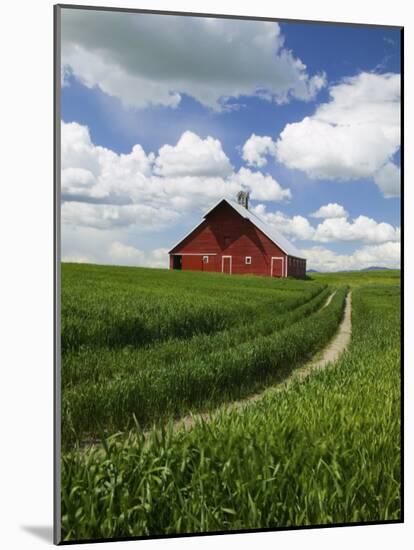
x=325 y=450
x=107 y=386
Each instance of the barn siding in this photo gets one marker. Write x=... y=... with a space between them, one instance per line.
x=226 y=233
x=195 y=262
x=296 y=267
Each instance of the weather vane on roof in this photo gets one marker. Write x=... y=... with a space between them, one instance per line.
x=243 y=198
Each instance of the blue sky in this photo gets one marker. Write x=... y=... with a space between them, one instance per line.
x=304 y=116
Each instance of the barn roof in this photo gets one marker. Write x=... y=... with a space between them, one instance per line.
x=274 y=235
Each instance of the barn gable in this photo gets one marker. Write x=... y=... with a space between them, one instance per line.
x=231 y=239
x=279 y=240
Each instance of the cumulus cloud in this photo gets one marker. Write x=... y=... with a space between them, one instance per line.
x=124 y=254
x=388 y=180
x=297 y=227
x=193 y=156
x=354 y=135
x=331 y=210
x=158 y=258
x=97 y=174
x=361 y=228
x=256 y=148
x=109 y=216
x=381 y=255
x=108 y=198
x=262 y=187
x=103 y=189
x=81 y=244
x=149 y=59
x=78 y=182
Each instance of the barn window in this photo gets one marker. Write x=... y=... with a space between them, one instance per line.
x=205 y=259
x=248 y=260
x=226 y=240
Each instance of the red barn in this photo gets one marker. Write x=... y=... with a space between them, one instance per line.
x=231 y=239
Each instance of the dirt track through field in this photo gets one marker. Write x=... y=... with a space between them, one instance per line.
x=329 y=300
x=328 y=355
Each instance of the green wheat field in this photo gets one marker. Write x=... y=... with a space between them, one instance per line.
x=142 y=348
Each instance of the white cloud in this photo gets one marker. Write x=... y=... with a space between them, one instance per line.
x=262 y=187
x=331 y=210
x=78 y=182
x=103 y=189
x=124 y=254
x=78 y=258
x=95 y=173
x=78 y=151
x=87 y=244
x=148 y=59
x=158 y=258
x=110 y=216
x=352 y=136
x=112 y=198
x=388 y=180
x=90 y=245
x=362 y=228
x=381 y=255
x=296 y=227
x=193 y=156
x=256 y=148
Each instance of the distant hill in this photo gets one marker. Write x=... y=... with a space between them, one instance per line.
x=375 y=268
x=312 y=271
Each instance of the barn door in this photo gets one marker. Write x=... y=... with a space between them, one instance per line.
x=177 y=261
x=276 y=267
x=226 y=264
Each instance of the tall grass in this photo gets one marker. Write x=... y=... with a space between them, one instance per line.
x=116 y=307
x=325 y=450
x=97 y=365
x=133 y=343
x=154 y=393
x=358 y=278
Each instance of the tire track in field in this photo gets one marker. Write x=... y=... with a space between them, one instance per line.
x=334 y=349
x=329 y=300
x=330 y=354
